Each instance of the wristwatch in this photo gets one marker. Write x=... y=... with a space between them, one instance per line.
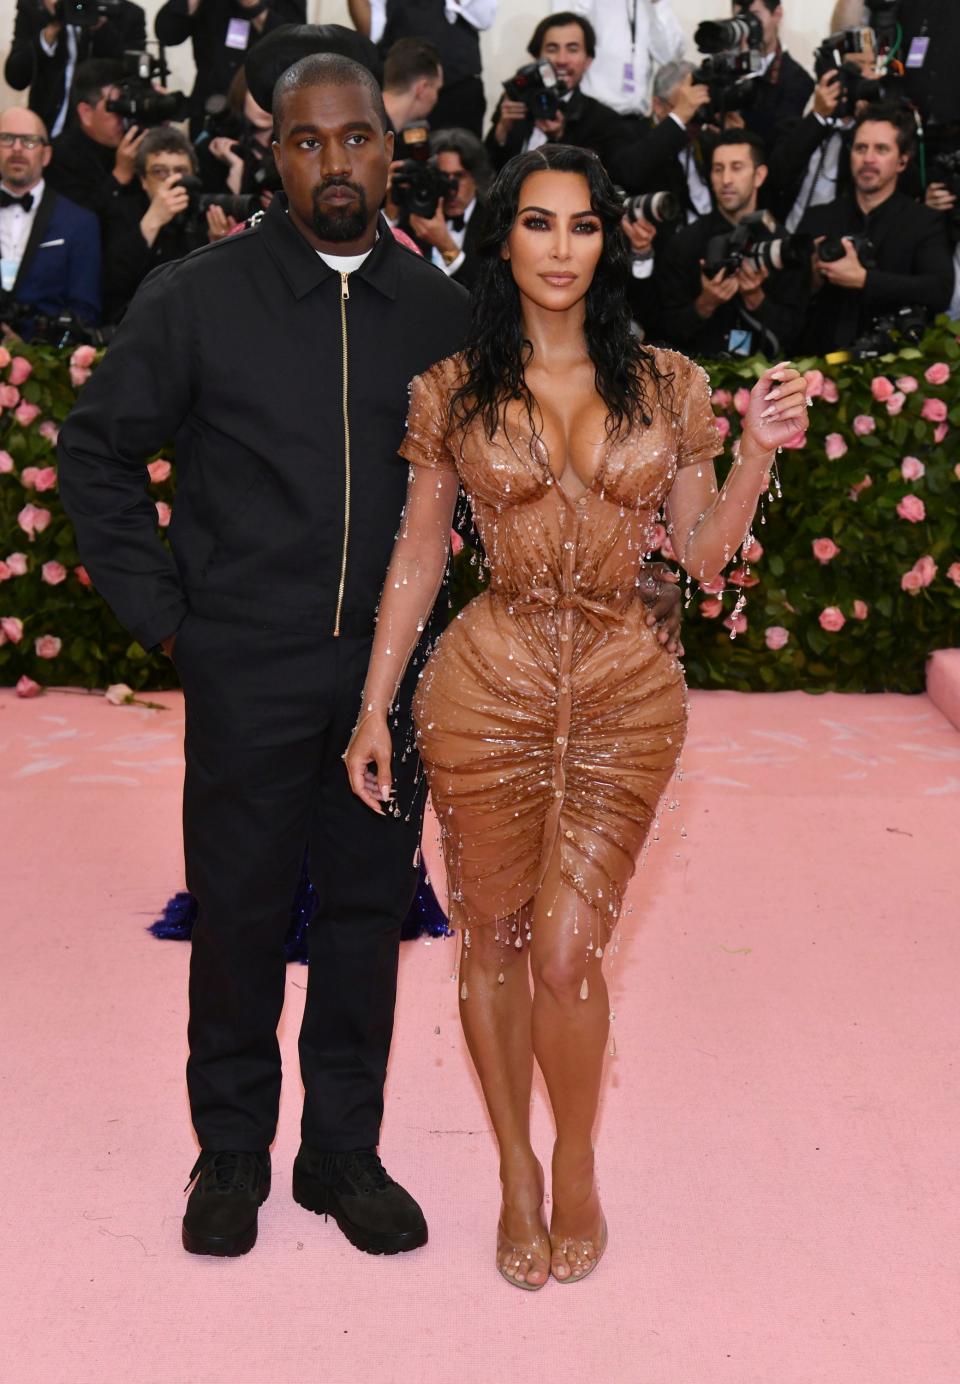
x=450 y=255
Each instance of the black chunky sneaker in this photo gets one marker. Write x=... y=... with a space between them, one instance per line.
x=373 y=1211
x=221 y=1215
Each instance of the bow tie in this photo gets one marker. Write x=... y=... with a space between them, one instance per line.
x=7 y=199
x=457 y=222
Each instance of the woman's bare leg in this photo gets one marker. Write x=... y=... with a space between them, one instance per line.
x=496 y=1023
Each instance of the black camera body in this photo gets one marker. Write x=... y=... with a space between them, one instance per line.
x=891 y=331
x=539 y=88
x=945 y=168
x=833 y=55
x=240 y=206
x=139 y=103
x=832 y=248
x=656 y=208
x=84 y=14
x=418 y=186
x=754 y=241
x=65 y=329
x=730 y=70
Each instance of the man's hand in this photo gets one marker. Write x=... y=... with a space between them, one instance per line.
x=940 y=198
x=750 y=283
x=660 y=592
x=434 y=230
x=225 y=149
x=715 y=292
x=553 y=129
x=640 y=235
x=389 y=205
x=123 y=164
x=689 y=99
x=170 y=201
x=826 y=95
x=733 y=120
x=847 y=272
x=219 y=224
x=510 y=113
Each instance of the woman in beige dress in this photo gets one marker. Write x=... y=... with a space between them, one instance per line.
x=550 y=717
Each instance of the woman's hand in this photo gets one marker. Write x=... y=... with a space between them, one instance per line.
x=370 y=744
x=778 y=409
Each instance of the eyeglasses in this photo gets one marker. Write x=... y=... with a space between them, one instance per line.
x=7 y=141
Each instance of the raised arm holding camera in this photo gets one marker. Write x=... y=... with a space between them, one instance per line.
x=452 y=234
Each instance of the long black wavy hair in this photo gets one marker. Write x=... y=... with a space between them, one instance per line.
x=497 y=351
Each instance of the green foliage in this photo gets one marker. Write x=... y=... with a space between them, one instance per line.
x=824 y=497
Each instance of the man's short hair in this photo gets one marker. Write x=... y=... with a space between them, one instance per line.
x=470 y=151
x=326 y=69
x=164 y=139
x=745 y=5
x=758 y=150
x=559 y=21
x=92 y=77
x=409 y=61
x=898 y=117
x=668 y=76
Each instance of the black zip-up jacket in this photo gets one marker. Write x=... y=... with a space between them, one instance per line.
x=283 y=516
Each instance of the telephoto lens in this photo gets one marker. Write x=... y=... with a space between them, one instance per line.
x=654 y=207
x=722 y=35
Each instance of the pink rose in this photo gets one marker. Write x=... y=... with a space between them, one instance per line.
x=82 y=576
x=741 y=401
x=49 y=431
x=26 y=414
x=895 y=403
x=4 y=357
x=21 y=370
x=715 y=585
x=28 y=476
x=6 y=463
x=5 y=573
x=118 y=694
x=926 y=569
x=910 y=581
x=863 y=425
x=860 y=610
x=711 y=608
x=865 y=484
x=832 y=619
x=935 y=410
x=835 y=447
x=956 y=470
x=736 y=624
x=83 y=357
x=163 y=513
x=17 y=562
x=9 y=396
x=741 y=577
x=39 y=477
x=752 y=551
x=940 y=432
x=53 y=573
x=721 y=398
x=33 y=519
x=814 y=381
x=937 y=374
x=722 y=426
x=907 y=384
x=830 y=393
x=881 y=388
x=912 y=469
x=456 y=542
x=824 y=549
x=159 y=470
x=775 y=636
x=47 y=646
x=12 y=628
x=26 y=687
x=78 y=376
x=912 y=509
x=953 y=573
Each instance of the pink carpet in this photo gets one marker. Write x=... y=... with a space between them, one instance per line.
x=778 y=1143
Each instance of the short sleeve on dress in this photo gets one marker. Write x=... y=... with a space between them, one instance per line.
x=425 y=443
x=700 y=438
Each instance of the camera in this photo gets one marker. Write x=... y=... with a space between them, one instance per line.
x=84 y=13
x=884 y=17
x=890 y=332
x=832 y=248
x=539 y=88
x=657 y=208
x=833 y=55
x=240 y=207
x=729 y=70
x=139 y=102
x=722 y=35
x=754 y=241
x=66 y=329
x=945 y=168
x=418 y=186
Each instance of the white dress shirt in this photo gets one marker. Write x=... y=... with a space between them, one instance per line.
x=479 y=13
x=71 y=32
x=633 y=37
x=702 y=201
x=15 y=227
x=819 y=184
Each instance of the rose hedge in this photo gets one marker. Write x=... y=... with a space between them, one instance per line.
x=853 y=579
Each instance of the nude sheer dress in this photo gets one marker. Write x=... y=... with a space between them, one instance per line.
x=549 y=718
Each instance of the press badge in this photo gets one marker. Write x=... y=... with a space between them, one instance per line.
x=739 y=342
x=918 y=51
x=238 y=34
x=629 y=80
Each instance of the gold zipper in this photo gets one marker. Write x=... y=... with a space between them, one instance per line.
x=344 y=296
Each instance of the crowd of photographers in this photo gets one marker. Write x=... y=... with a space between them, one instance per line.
x=766 y=208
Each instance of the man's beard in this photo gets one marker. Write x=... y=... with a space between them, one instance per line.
x=340 y=224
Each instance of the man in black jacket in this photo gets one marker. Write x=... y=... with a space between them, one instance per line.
x=94 y=160
x=222 y=33
x=48 y=47
x=784 y=87
x=452 y=235
x=278 y=361
x=909 y=261
x=568 y=41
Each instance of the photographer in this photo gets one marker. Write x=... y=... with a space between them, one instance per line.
x=93 y=161
x=673 y=152
x=877 y=251
x=412 y=78
x=52 y=37
x=566 y=41
x=783 y=87
x=632 y=38
x=222 y=32
x=927 y=35
x=743 y=306
x=49 y=248
x=244 y=158
x=945 y=197
x=154 y=225
x=452 y=234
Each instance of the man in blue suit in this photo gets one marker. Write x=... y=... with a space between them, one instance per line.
x=49 y=247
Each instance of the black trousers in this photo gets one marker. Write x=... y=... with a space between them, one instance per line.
x=460 y=106
x=269 y=712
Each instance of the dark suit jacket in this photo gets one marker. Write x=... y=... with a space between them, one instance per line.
x=28 y=65
x=60 y=268
x=589 y=124
x=468 y=272
x=779 y=101
x=798 y=147
x=82 y=170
